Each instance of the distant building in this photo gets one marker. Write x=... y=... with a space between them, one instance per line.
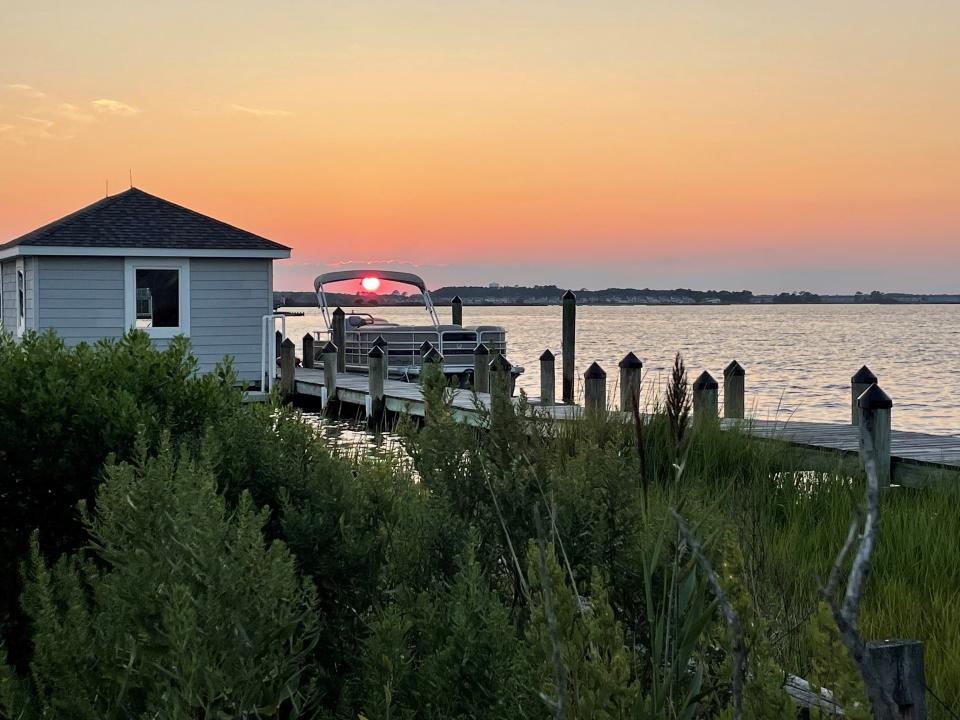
x=494 y=286
x=134 y=260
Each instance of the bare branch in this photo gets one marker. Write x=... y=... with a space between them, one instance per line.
x=733 y=620
x=834 y=580
x=559 y=675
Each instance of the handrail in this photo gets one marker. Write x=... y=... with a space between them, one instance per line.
x=268 y=360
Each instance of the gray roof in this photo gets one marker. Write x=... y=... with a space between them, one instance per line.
x=136 y=219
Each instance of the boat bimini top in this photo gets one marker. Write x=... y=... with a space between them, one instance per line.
x=403 y=278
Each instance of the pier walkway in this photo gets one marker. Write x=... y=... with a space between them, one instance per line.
x=910 y=451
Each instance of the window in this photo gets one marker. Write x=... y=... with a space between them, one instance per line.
x=157 y=296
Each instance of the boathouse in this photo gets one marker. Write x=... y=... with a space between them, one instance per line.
x=134 y=260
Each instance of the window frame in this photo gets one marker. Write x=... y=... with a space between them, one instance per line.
x=130 y=267
x=20 y=298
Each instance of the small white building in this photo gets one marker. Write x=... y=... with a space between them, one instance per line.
x=134 y=260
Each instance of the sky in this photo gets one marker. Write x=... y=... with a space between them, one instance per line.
x=742 y=144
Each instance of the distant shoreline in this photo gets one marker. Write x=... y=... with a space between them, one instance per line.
x=446 y=303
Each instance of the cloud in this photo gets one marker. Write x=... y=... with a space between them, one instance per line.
x=107 y=106
x=72 y=112
x=261 y=112
x=24 y=88
x=42 y=122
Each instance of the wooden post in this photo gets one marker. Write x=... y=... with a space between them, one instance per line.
x=308 y=356
x=859 y=384
x=481 y=368
x=340 y=338
x=595 y=388
x=385 y=346
x=456 y=310
x=569 y=342
x=705 y=391
x=631 y=368
x=375 y=363
x=278 y=341
x=875 y=408
x=288 y=368
x=431 y=358
x=330 y=354
x=548 y=378
x=734 y=381
x=426 y=347
x=500 y=370
x=899 y=668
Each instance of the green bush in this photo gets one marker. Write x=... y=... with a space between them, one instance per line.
x=178 y=609
x=63 y=410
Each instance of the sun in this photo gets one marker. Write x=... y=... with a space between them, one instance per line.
x=370 y=284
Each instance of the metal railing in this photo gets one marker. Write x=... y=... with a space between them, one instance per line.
x=268 y=357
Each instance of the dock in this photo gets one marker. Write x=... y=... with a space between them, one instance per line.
x=914 y=455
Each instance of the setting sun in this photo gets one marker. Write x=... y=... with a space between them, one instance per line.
x=371 y=284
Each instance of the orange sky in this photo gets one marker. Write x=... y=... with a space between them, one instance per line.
x=762 y=144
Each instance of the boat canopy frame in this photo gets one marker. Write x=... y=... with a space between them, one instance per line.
x=404 y=278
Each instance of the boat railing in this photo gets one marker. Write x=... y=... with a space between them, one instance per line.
x=403 y=346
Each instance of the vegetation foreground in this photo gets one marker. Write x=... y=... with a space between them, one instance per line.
x=169 y=552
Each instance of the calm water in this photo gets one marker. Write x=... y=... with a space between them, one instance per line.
x=798 y=359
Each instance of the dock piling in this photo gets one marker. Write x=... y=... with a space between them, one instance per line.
x=548 y=378
x=456 y=310
x=481 y=368
x=734 y=381
x=329 y=353
x=376 y=361
x=340 y=338
x=425 y=347
x=568 y=342
x=875 y=409
x=859 y=384
x=431 y=359
x=278 y=342
x=705 y=400
x=594 y=388
x=308 y=356
x=381 y=343
x=631 y=369
x=499 y=369
x=288 y=368
x=898 y=665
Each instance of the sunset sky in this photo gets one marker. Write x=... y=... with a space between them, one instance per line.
x=738 y=144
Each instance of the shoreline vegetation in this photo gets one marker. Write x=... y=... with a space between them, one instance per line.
x=170 y=551
x=550 y=295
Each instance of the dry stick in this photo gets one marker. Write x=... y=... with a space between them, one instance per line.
x=739 y=651
x=559 y=676
x=845 y=614
x=506 y=533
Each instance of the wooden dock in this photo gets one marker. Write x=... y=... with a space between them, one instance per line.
x=913 y=454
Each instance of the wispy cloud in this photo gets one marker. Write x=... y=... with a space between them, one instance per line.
x=24 y=88
x=261 y=112
x=107 y=106
x=42 y=122
x=380 y=263
x=74 y=113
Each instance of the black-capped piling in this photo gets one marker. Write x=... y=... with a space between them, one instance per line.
x=481 y=368
x=381 y=343
x=288 y=368
x=594 y=388
x=734 y=391
x=309 y=358
x=548 y=378
x=456 y=310
x=875 y=416
x=568 y=345
x=340 y=338
x=329 y=354
x=376 y=360
x=705 y=400
x=631 y=368
x=859 y=384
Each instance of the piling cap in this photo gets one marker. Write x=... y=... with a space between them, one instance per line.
x=568 y=295
x=308 y=336
x=329 y=348
x=631 y=361
x=734 y=369
x=375 y=352
x=456 y=299
x=425 y=347
x=481 y=349
x=873 y=398
x=339 y=311
x=594 y=372
x=288 y=343
x=500 y=363
x=546 y=356
x=863 y=377
x=705 y=382
x=433 y=355
x=380 y=342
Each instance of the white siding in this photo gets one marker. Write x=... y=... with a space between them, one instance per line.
x=8 y=286
x=81 y=298
x=228 y=298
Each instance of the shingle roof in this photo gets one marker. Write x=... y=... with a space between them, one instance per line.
x=136 y=219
